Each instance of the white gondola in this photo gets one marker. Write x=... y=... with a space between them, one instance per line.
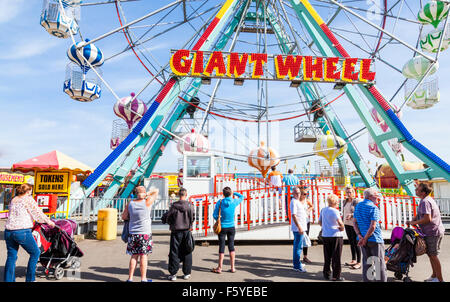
x=82 y=86
x=60 y=22
x=426 y=95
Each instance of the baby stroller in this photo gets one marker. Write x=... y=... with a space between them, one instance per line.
x=58 y=248
x=401 y=254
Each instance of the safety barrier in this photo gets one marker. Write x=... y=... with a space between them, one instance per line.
x=269 y=205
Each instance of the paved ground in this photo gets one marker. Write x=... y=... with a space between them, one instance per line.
x=107 y=261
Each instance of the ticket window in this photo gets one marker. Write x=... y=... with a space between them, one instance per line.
x=198 y=167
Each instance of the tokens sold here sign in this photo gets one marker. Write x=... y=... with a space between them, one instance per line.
x=51 y=182
x=262 y=66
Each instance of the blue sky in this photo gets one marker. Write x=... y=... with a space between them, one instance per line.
x=37 y=116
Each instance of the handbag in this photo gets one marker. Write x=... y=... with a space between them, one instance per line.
x=306 y=241
x=421 y=246
x=126 y=228
x=319 y=237
x=126 y=231
x=217 y=228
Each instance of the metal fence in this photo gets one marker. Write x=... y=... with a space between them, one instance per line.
x=444 y=206
x=85 y=209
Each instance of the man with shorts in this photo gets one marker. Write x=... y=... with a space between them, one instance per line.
x=429 y=220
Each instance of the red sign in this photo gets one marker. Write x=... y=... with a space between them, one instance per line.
x=234 y=65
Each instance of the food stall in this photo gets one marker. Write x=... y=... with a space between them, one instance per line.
x=54 y=175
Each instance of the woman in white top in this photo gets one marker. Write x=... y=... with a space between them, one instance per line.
x=332 y=233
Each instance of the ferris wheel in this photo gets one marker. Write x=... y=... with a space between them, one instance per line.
x=399 y=41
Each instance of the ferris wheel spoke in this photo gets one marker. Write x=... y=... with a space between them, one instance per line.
x=132 y=23
x=367 y=52
x=384 y=31
x=104 y=2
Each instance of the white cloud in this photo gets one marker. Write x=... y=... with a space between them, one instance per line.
x=28 y=47
x=38 y=123
x=9 y=9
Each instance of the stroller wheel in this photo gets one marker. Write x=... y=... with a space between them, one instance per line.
x=59 y=273
x=407 y=279
x=76 y=263
x=398 y=276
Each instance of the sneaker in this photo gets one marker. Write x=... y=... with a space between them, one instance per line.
x=429 y=279
x=338 y=279
x=433 y=280
x=300 y=270
x=172 y=278
x=185 y=277
x=306 y=260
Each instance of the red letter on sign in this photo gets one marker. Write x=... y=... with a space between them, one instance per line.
x=179 y=63
x=236 y=65
x=330 y=70
x=314 y=71
x=258 y=60
x=289 y=66
x=365 y=75
x=198 y=63
x=215 y=63
x=349 y=73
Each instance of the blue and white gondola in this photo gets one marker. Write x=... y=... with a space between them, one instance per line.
x=81 y=86
x=59 y=22
x=89 y=53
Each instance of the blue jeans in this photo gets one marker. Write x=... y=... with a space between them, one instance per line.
x=25 y=239
x=298 y=244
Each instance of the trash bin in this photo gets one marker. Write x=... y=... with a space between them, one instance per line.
x=107 y=224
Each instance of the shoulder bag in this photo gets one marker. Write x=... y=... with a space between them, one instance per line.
x=217 y=226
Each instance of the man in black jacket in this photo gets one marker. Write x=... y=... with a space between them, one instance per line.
x=180 y=218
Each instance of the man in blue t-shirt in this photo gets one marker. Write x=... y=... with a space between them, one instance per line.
x=366 y=223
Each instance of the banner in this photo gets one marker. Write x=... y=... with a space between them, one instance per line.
x=11 y=179
x=51 y=182
x=261 y=66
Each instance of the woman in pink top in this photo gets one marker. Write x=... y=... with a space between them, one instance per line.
x=23 y=211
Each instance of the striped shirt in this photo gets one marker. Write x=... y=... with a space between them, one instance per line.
x=291 y=180
x=366 y=212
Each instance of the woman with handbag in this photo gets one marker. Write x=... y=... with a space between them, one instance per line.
x=139 y=244
x=180 y=218
x=304 y=200
x=224 y=214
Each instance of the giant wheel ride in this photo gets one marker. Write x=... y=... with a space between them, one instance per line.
x=403 y=40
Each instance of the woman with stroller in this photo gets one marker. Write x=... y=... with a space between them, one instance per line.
x=227 y=208
x=23 y=210
x=140 y=230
